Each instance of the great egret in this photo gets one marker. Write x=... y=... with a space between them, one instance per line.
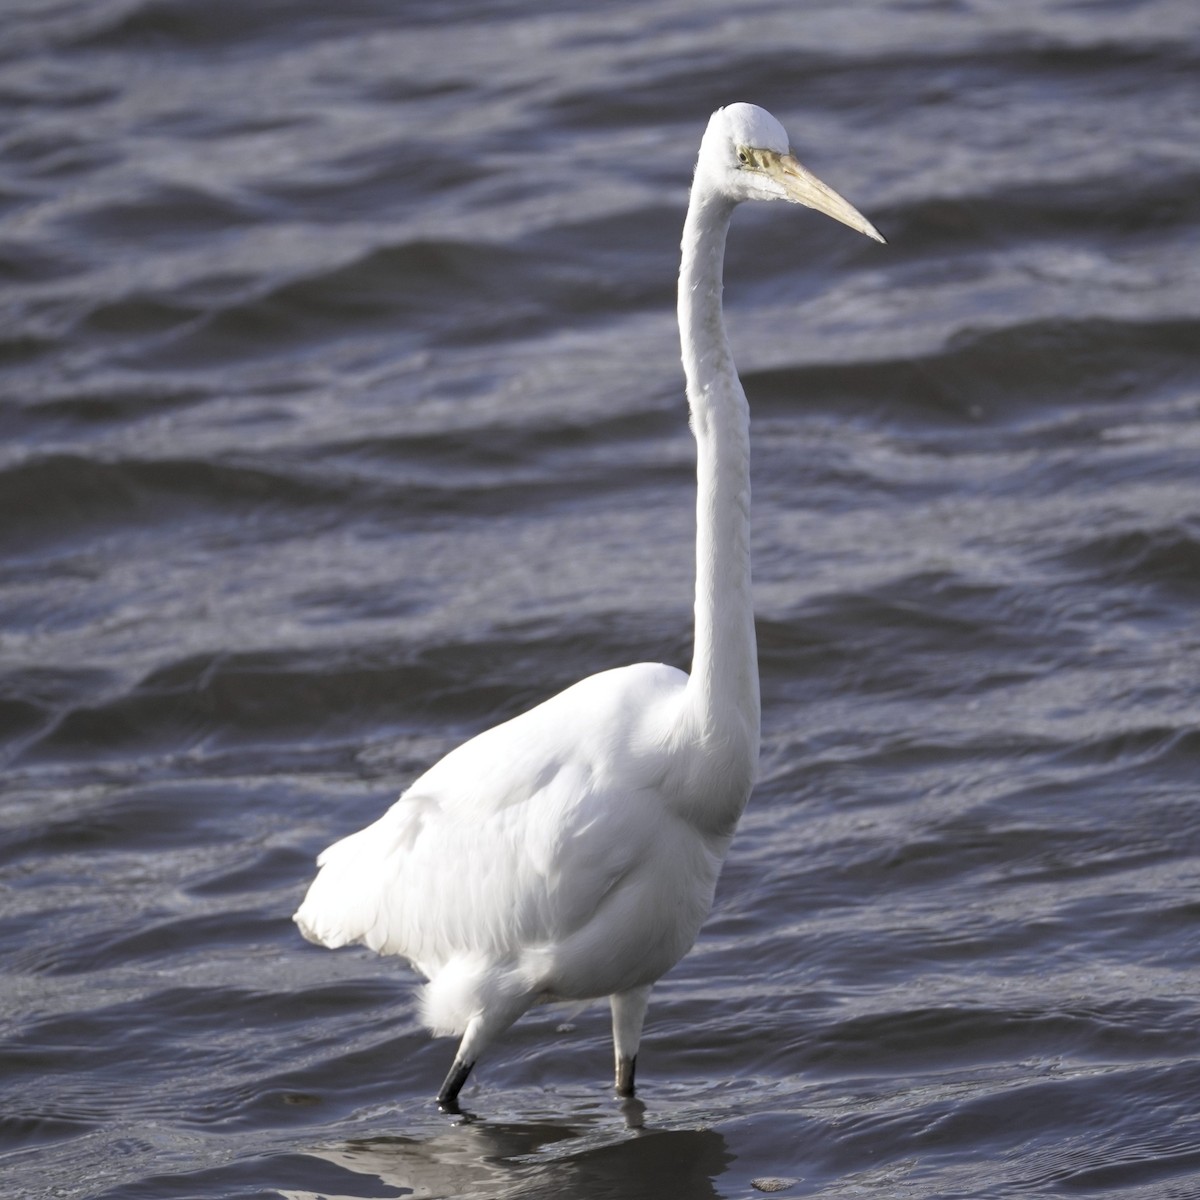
x=572 y=852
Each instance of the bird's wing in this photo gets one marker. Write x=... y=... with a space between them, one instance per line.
x=514 y=838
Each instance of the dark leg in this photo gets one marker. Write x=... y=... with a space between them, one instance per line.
x=625 y=1069
x=447 y=1098
x=628 y=1012
x=506 y=1003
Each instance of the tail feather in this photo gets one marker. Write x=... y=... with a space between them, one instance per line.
x=357 y=896
x=345 y=905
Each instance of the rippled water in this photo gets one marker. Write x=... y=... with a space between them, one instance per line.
x=342 y=417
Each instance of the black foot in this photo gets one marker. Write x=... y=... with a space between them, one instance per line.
x=625 y=1069
x=447 y=1098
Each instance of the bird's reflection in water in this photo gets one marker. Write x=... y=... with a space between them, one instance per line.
x=474 y=1160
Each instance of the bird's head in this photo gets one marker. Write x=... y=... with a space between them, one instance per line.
x=745 y=155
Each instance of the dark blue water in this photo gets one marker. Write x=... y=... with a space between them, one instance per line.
x=341 y=417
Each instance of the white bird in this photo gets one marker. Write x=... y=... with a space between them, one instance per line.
x=572 y=852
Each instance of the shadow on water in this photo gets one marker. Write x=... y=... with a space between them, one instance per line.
x=474 y=1159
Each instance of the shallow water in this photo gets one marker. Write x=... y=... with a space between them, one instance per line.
x=342 y=417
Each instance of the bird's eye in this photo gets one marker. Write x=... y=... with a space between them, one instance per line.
x=743 y=156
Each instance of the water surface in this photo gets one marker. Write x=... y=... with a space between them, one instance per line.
x=342 y=417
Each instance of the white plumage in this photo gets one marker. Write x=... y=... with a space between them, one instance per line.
x=572 y=852
x=519 y=864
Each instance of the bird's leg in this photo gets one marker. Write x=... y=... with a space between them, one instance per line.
x=628 y=1013
x=497 y=1015
x=625 y=1072
x=447 y=1098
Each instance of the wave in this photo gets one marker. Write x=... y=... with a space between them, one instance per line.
x=1076 y=209
x=70 y=497
x=993 y=374
x=858 y=84
x=331 y=695
x=1166 y=558
x=163 y=215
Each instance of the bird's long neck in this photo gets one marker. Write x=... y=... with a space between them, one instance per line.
x=723 y=688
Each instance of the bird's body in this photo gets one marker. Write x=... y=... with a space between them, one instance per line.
x=521 y=865
x=572 y=852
